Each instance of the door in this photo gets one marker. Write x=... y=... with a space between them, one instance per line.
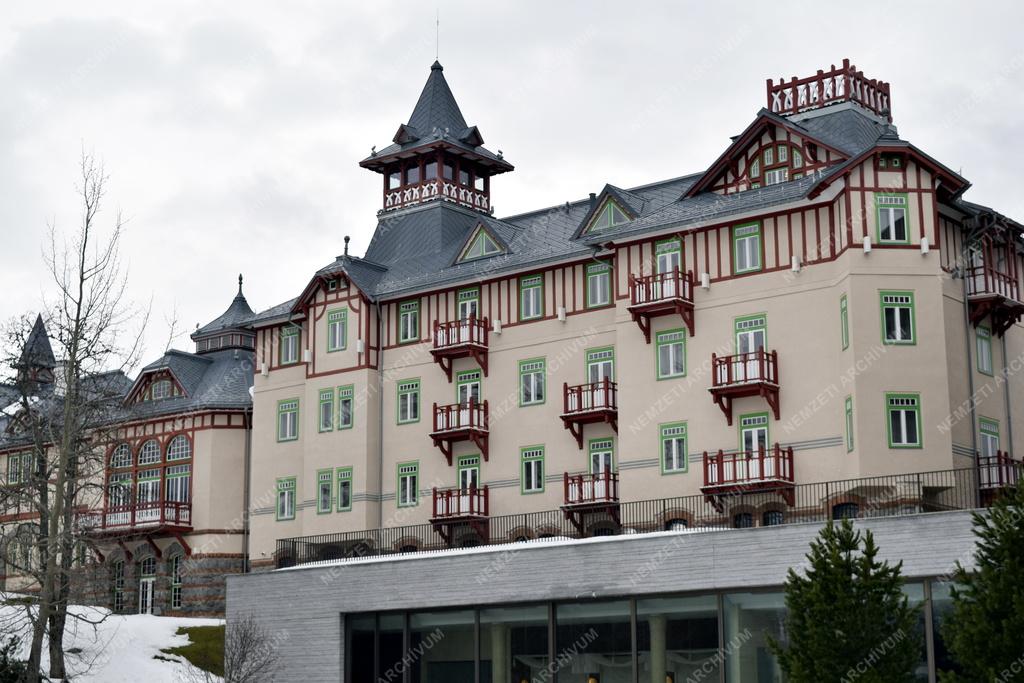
x=669 y=260
x=146 y=596
x=754 y=442
x=469 y=482
x=469 y=309
x=600 y=366
x=750 y=337
x=601 y=466
x=467 y=393
x=147 y=502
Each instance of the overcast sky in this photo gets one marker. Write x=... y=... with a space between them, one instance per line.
x=231 y=131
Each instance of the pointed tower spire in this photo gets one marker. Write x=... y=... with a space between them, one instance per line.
x=436 y=155
x=37 y=361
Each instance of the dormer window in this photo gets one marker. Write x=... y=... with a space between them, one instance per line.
x=890 y=162
x=609 y=216
x=160 y=390
x=480 y=246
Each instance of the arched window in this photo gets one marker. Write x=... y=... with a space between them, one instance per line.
x=122 y=456
x=772 y=518
x=743 y=520
x=677 y=525
x=774 y=164
x=845 y=511
x=150 y=452
x=180 y=448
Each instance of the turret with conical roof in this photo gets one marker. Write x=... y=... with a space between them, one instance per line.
x=436 y=155
x=230 y=330
x=37 y=362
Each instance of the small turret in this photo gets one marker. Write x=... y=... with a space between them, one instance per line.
x=230 y=330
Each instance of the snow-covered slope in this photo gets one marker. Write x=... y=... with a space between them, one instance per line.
x=118 y=648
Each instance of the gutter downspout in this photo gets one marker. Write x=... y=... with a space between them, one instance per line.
x=247 y=493
x=1006 y=399
x=380 y=423
x=970 y=400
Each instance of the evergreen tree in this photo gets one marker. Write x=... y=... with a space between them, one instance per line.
x=848 y=618
x=984 y=629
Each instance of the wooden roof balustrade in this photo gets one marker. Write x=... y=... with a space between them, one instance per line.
x=461 y=422
x=843 y=84
x=139 y=518
x=745 y=374
x=589 y=494
x=458 y=507
x=660 y=294
x=993 y=288
x=733 y=474
x=460 y=339
x=589 y=403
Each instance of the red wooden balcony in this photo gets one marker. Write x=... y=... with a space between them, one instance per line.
x=460 y=339
x=651 y=296
x=164 y=515
x=458 y=507
x=997 y=472
x=993 y=289
x=589 y=403
x=745 y=374
x=461 y=422
x=586 y=494
x=748 y=472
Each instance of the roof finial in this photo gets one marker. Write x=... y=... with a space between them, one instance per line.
x=347 y=238
x=239 y=284
x=437 y=35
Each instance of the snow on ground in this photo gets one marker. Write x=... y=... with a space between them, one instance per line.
x=119 y=648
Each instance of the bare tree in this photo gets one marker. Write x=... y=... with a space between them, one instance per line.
x=250 y=654
x=68 y=401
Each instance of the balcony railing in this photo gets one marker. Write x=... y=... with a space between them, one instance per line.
x=841 y=84
x=653 y=289
x=748 y=467
x=745 y=368
x=998 y=471
x=459 y=502
x=587 y=398
x=434 y=189
x=459 y=416
x=139 y=516
x=455 y=333
x=985 y=280
x=895 y=495
x=589 y=489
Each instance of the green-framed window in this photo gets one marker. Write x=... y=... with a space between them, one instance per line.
x=468 y=387
x=844 y=322
x=600 y=364
x=408 y=322
x=532 y=469
x=344 y=477
x=285 y=508
x=983 y=345
x=469 y=303
x=602 y=455
x=903 y=420
x=532 y=382
x=408 y=484
x=599 y=284
x=668 y=255
x=893 y=222
x=324 y=491
x=674 y=456
x=751 y=333
x=337 y=330
x=288 y=420
x=531 y=297
x=849 y=424
x=670 y=347
x=327 y=410
x=408 y=401
x=346 y=406
x=754 y=436
x=480 y=245
x=746 y=248
x=898 y=324
x=467 y=469
x=989 y=443
x=289 y=345
x=609 y=215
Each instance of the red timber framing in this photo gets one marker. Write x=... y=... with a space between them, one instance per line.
x=462 y=508
x=843 y=84
x=585 y=404
x=993 y=286
x=733 y=474
x=461 y=422
x=591 y=495
x=460 y=339
x=745 y=374
x=660 y=294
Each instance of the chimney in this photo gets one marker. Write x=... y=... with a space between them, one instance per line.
x=593 y=199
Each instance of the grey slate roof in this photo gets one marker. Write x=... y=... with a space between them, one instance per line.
x=237 y=315
x=217 y=380
x=37 y=352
